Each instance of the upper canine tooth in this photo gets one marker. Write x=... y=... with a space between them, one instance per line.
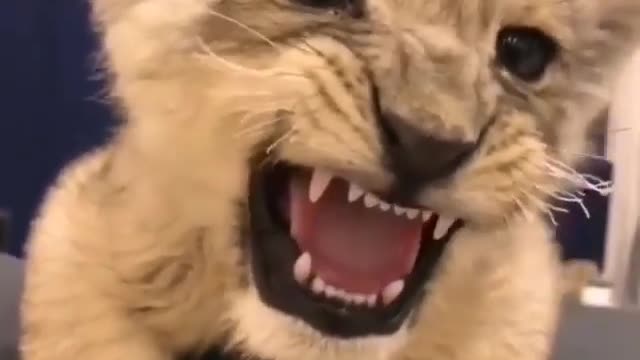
x=371 y=200
x=399 y=210
x=384 y=206
x=412 y=213
x=426 y=215
x=442 y=227
x=355 y=192
x=319 y=182
x=392 y=291
x=302 y=268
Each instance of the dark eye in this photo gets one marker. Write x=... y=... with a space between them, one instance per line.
x=324 y=4
x=354 y=8
x=525 y=52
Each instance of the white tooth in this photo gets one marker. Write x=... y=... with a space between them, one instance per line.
x=384 y=206
x=370 y=200
x=359 y=299
x=398 y=210
x=319 y=182
x=302 y=268
x=355 y=192
x=342 y=295
x=392 y=291
x=442 y=227
x=330 y=291
x=372 y=300
x=426 y=215
x=348 y=298
x=318 y=286
x=412 y=213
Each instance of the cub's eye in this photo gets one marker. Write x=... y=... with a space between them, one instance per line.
x=354 y=8
x=325 y=4
x=525 y=52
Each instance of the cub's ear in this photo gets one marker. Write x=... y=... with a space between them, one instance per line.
x=607 y=31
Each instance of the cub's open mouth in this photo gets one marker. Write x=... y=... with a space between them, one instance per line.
x=345 y=262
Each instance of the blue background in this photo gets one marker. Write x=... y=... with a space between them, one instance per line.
x=49 y=107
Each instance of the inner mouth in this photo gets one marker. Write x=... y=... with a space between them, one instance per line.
x=341 y=259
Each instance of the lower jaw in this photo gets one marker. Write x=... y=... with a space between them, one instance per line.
x=273 y=253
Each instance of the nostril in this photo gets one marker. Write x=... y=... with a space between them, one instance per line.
x=418 y=158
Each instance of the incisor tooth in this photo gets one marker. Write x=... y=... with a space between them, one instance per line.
x=426 y=215
x=355 y=192
x=342 y=295
x=330 y=291
x=302 y=268
x=320 y=180
x=384 y=206
x=372 y=300
x=360 y=299
x=370 y=200
x=318 y=286
x=392 y=291
x=398 y=210
x=442 y=227
x=412 y=213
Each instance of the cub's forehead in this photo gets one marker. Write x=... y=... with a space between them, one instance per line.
x=552 y=16
x=471 y=17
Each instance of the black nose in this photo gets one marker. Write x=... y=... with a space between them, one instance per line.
x=418 y=158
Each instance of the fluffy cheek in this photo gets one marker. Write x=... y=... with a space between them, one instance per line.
x=508 y=175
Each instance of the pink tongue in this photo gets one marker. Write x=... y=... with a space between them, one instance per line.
x=354 y=248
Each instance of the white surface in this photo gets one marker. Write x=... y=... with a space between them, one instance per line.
x=596 y=296
x=623 y=149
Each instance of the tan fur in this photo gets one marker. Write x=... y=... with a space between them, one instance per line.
x=136 y=256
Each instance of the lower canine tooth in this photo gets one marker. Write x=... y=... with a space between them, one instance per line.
x=392 y=291
x=302 y=268
x=426 y=215
x=442 y=227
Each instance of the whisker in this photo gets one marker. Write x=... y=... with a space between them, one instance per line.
x=287 y=135
x=246 y=27
x=241 y=68
x=619 y=130
x=553 y=218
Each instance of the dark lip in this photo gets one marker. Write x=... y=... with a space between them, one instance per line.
x=273 y=252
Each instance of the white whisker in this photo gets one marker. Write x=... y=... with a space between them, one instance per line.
x=286 y=136
x=553 y=218
x=245 y=27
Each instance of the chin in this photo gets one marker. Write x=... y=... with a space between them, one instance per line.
x=333 y=265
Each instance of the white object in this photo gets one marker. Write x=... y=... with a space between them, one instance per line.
x=623 y=149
